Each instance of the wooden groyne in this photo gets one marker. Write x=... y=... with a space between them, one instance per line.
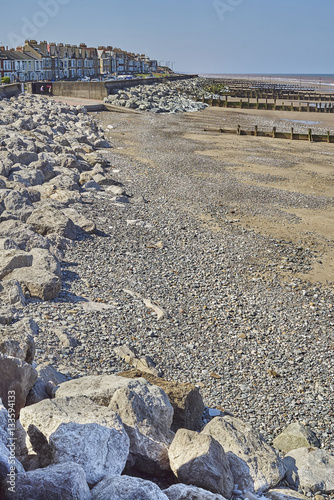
x=271 y=105
x=274 y=134
x=253 y=94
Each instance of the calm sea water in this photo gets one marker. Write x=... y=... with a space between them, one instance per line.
x=316 y=81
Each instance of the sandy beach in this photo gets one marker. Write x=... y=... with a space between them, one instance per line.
x=283 y=169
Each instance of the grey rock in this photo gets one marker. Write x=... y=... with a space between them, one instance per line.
x=6 y=314
x=42 y=423
x=61 y=481
x=144 y=409
x=17 y=340
x=17 y=376
x=185 y=399
x=27 y=177
x=284 y=494
x=23 y=235
x=66 y=340
x=91 y=186
x=144 y=364
x=120 y=199
x=11 y=293
x=26 y=157
x=79 y=220
x=147 y=416
x=50 y=220
x=8 y=461
x=43 y=278
x=127 y=488
x=296 y=435
x=314 y=468
x=95 y=447
x=8 y=244
x=254 y=464
x=12 y=259
x=190 y=492
x=199 y=460
x=47 y=382
x=115 y=190
x=18 y=203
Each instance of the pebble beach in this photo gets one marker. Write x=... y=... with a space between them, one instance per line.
x=215 y=261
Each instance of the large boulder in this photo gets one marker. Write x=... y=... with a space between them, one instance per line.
x=313 y=469
x=127 y=488
x=185 y=399
x=13 y=259
x=254 y=464
x=144 y=409
x=23 y=235
x=296 y=435
x=56 y=482
x=11 y=293
x=199 y=459
x=50 y=220
x=147 y=416
x=16 y=378
x=43 y=278
x=190 y=492
x=77 y=430
x=95 y=447
x=18 y=204
x=80 y=220
x=17 y=340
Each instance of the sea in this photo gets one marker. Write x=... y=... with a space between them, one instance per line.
x=318 y=82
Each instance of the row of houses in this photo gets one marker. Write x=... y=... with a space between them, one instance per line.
x=50 y=61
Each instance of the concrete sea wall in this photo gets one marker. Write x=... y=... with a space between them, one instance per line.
x=100 y=90
x=11 y=90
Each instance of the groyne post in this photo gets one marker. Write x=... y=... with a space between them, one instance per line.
x=309 y=135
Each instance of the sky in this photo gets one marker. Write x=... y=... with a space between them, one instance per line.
x=194 y=36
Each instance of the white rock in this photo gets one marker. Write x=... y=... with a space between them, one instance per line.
x=101 y=448
x=144 y=409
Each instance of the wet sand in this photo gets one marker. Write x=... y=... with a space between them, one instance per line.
x=306 y=169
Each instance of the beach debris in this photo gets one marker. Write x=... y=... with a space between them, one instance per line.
x=161 y=313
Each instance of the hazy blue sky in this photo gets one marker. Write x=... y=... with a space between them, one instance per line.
x=202 y=36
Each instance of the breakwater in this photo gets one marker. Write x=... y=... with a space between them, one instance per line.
x=274 y=134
